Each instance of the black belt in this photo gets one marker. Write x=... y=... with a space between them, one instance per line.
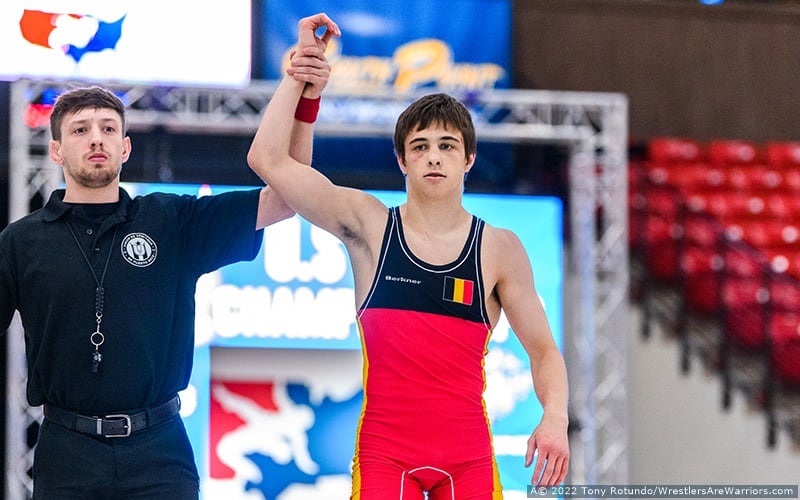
x=114 y=424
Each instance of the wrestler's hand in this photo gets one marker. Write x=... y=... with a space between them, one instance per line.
x=549 y=445
x=308 y=62
x=308 y=27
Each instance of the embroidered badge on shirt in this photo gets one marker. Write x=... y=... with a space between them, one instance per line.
x=458 y=290
x=139 y=250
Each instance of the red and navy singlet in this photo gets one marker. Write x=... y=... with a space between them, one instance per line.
x=424 y=332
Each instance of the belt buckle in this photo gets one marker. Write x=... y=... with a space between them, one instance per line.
x=126 y=418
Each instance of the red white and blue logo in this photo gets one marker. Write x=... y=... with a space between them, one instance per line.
x=74 y=34
x=275 y=439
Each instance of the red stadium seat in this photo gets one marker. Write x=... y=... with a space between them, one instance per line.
x=661 y=249
x=784 y=293
x=732 y=151
x=783 y=205
x=728 y=205
x=723 y=204
x=755 y=178
x=701 y=267
x=718 y=223
x=764 y=234
x=744 y=299
x=783 y=154
x=662 y=150
x=784 y=260
x=785 y=348
x=688 y=177
x=701 y=262
x=660 y=232
x=656 y=235
x=637 y=203
x=791 y=180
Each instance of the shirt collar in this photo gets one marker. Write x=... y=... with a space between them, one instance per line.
x=56 y=208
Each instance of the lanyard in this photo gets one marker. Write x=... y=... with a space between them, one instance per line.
x=96 y=338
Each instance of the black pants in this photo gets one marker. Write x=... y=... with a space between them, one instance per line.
x=153 y=464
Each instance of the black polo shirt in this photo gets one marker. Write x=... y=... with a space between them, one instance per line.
x=162 y=243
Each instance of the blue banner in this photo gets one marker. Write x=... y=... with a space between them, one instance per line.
x=401 y=45
x=277 y=356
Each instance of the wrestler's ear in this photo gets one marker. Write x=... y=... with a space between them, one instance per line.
x=126 y=148
x=54 y=148
x=470 y=162
x=402 y=164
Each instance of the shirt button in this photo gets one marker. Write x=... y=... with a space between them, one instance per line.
x=90 y=231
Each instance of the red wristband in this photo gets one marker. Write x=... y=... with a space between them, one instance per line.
x=307 y=109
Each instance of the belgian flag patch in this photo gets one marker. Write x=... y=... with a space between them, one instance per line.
x=458 y=290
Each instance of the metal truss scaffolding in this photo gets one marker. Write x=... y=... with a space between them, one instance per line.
x=591 y=126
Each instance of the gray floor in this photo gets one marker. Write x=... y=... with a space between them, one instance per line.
x=681 y=435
